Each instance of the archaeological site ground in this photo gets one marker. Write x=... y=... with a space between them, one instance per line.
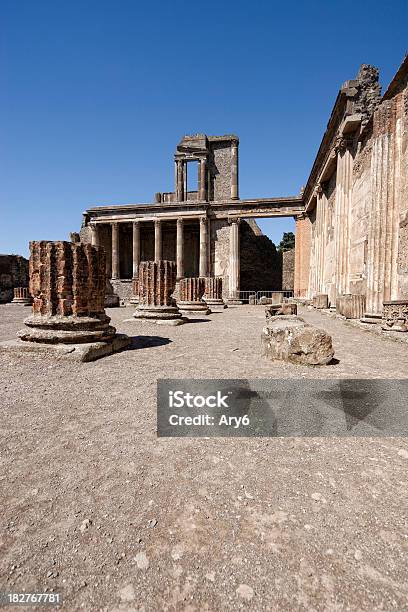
x=106 y=506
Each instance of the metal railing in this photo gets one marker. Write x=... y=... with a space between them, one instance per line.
x=255 y=296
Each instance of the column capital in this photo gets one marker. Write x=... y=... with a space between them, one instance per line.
x=318 y=190
x=180 y=220
x=157 y=221
x=342 y=143
x=136 y=221
x=232 y=220
x=203 y=220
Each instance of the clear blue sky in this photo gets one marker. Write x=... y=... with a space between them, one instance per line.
x=96 y=94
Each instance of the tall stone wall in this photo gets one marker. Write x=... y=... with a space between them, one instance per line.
x=220 y=167
x=13 y=273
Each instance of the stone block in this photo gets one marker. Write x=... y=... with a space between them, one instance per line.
x=291 y=339
x=395 y=316
x=321 y=300
x=351 y=306
x=287 y=308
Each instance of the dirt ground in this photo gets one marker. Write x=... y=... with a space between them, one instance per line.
x=95 y=506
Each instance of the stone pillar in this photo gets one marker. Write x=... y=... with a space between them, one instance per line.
x=234 y=260
x=213 y=294
x=136 y=248
x=180 y=180
x=203 y=246
x=67 y=282
x=234 y=170
x=115 y=251
x=202 y=192
x=157 y=281
x=94 y=234
x=180 y=248
x=157 y=240
x=344 y=176
x=191 y=296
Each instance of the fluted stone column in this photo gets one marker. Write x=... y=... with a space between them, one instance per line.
x=234 y=170
x=115 y=251
x=67 y=282
x=157 y=240
x=191 y=296
x=157 y=281
x=213 y=294
x=22 y=296
x=203 y=246
x=234 y=260
x=136 y=248
x=302 y=256
x=202 y=195
x=180 y=248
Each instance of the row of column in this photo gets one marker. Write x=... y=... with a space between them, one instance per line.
x=234 y=261
x=344 y=182
x=181 y=180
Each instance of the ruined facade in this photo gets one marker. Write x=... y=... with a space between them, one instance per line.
x=209 y=232
x=352 y=238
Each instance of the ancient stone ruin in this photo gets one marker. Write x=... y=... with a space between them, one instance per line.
x=191 y=296
x=213 y=294
x=67 y=283
x=395 y=316
x=157 y=282
x=351 y=306
x=13 y=273
x=22 y=296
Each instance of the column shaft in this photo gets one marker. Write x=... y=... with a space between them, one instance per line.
x=115 y=251
x=180 y=181
x=157 y=240
x=136 y=248
x=180 y=248
x=202 y=195
x=234 y=263
x=203 y=246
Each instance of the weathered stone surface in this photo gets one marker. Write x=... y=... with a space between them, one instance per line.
x=67 y=282
x=288 y=270
x=287 y=308
x=395 y=316
x=289 y=338
x=22 y=296
x=191 y=296
x=320 y=300
x=157 y=281
x=111 y=298
x=351 y=306
x=135 y=291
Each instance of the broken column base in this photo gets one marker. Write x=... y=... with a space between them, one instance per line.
x=193 y=308
x=216 y=305
x=88 y=351
x=162 y=315
x=371 y=319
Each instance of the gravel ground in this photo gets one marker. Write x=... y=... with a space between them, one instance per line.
x=95 y=506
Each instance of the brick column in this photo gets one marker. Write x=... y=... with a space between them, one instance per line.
x=180 y=248
x=179 y=180
x=115 y=251
x=203 y=246
x=157 y=240
x=136 y=248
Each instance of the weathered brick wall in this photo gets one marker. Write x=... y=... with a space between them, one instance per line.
x=288 y=270
x=13 y=273
x=157 y=281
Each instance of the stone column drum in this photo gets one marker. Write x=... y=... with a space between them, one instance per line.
x=395 y=315
x=22 y=296
x=320 y=301
x=157 y=281
x=135 y=291
x=67 y=283
x=191 y=296
x=213 y=294
x=351 y=306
